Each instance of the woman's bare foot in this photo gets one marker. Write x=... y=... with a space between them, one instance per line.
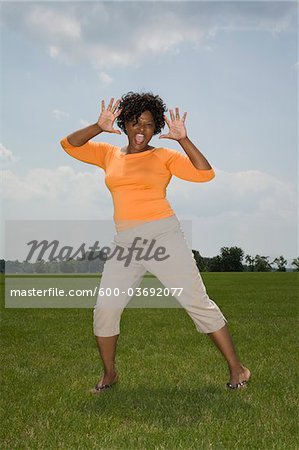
x=107 y=380
x=239 y=377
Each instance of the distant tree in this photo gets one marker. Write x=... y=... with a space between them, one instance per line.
x=250 y=261
x=96 y=261
x=28 y=267
x=200 y=262
x=13 y=266
x=261 y=264
x=53 y=267
x=39 y=266
x=232 y=259
x=67 y=266
x=206 y=263
x=295 y=263
x=281 y=263
x=215 y=264
x=2 y=265
x=82 y=265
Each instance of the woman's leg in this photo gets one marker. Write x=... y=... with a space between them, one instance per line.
x=107 y=351
x=180 y=271
x=117 y=283
x=223 y=341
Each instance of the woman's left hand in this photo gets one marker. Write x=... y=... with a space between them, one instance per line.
x=177 y=129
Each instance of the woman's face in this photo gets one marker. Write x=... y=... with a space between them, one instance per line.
x=141 y=131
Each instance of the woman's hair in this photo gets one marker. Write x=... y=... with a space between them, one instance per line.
x=134 y=104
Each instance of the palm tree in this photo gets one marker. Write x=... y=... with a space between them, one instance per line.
x=295 y=262
x=250 y=261
x=281 y=263
x=261 y=264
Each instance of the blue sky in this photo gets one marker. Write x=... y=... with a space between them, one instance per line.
x=233 y=66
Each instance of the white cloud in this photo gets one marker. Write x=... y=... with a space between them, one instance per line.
x=51 y=22
x=54 y=184
x=58 y=114
x=247 y=192
x=54 y=51
x=250 y=209
x=84 y=123
x=7 y=156
x=65 y=193
x=260 y=232
x=119 y=34
x=105 y=78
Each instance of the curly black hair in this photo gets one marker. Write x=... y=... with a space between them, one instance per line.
x=133 y=104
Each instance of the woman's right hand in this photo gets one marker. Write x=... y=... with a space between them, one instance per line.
x=108 y=116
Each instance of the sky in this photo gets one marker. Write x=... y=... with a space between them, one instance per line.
x=233 y=66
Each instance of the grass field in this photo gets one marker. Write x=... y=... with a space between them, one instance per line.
x=172 y=391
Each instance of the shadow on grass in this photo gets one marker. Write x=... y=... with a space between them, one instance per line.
x=168 y=405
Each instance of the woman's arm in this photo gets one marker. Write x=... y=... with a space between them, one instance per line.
x=78 y=144
x=82 y=136
x=178 y=132
x=196 y=157
x=104 y=123
x=91 y=152
x=181 y=166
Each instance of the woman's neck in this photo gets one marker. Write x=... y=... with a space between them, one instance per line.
x=130 y=150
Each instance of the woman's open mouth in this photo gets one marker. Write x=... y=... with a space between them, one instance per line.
x=139 y=139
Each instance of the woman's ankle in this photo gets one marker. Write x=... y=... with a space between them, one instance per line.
x=236 y=368
x=110 y=371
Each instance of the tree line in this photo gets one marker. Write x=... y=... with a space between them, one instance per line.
x=231 y=259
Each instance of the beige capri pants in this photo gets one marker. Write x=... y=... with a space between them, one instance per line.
x=176 y=268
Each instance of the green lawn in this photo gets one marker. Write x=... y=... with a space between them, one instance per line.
x=172 y=391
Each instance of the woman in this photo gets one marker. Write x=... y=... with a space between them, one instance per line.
x=137 y=176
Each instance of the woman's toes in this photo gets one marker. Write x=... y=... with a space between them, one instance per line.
x=239 y=378
x=108 y=379
x=245 y=375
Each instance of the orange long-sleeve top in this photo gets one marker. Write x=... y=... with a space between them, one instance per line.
x=138 y=181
